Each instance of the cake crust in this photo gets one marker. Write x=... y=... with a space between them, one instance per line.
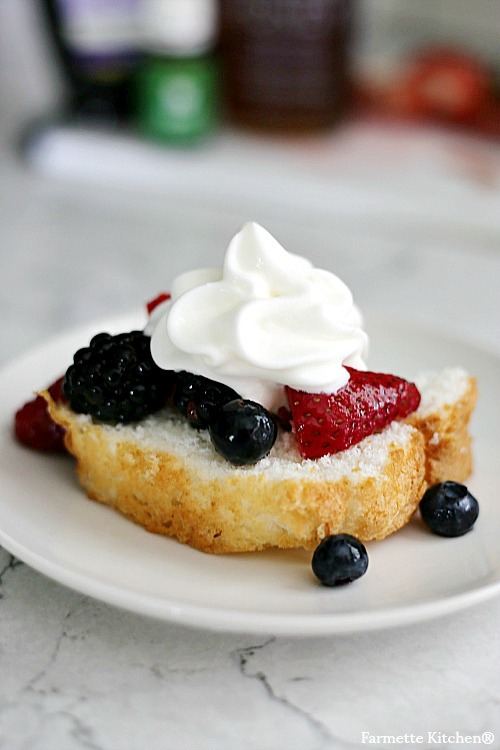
x=179 y=490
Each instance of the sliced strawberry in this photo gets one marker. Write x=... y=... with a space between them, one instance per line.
x=33 y=425
x=329 y=423
x=163 y=297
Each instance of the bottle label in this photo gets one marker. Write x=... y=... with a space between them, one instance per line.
x=177 y=98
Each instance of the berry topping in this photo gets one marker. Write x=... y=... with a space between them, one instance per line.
x=328 y=423
x=33 y=425
x=115 y=379
x=339 y=559
x=243 y=432
x=449 y=509
x=284 y=417
x=198 y=398
x=163 y=297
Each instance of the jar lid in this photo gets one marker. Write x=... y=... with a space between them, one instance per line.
x=177 y=27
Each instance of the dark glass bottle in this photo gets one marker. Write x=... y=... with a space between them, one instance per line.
x=285 y=62
x=96 y=45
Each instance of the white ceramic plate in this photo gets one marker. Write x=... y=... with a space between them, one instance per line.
x=46 y=521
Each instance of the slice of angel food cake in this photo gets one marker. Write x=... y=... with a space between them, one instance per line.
x=242 y=417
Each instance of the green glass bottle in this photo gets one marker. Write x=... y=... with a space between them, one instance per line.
x=177 y=82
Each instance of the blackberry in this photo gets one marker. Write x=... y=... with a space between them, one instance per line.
x=115 y=379
x=339 y=559
x=199 y=399
x=243 y=432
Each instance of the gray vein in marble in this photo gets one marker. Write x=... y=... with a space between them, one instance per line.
x=81 y=732
x=57 y=646
x=78 y=730
x=243 y=655
x=162 y=674
x=10 y=565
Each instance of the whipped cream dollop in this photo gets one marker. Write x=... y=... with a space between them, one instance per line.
x=266 y=319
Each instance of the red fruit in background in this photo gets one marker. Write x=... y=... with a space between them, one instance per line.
x=33 y=425
x=445 y=84
x=163 y=297
x=328 y=423
x=488 y=121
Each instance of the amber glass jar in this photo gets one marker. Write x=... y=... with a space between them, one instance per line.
x=285 y=63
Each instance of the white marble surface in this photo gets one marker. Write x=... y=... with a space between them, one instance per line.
x=77 y=673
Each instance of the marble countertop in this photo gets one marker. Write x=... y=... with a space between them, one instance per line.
x=83 y=238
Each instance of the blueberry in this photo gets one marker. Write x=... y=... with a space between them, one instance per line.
x=339 y=559
x=242 y=432
x=449 y=509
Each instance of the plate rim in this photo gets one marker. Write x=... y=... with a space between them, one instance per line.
x=237 y=620
x=243 y=621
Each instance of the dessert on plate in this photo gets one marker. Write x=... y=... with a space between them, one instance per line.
x=243 y=416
